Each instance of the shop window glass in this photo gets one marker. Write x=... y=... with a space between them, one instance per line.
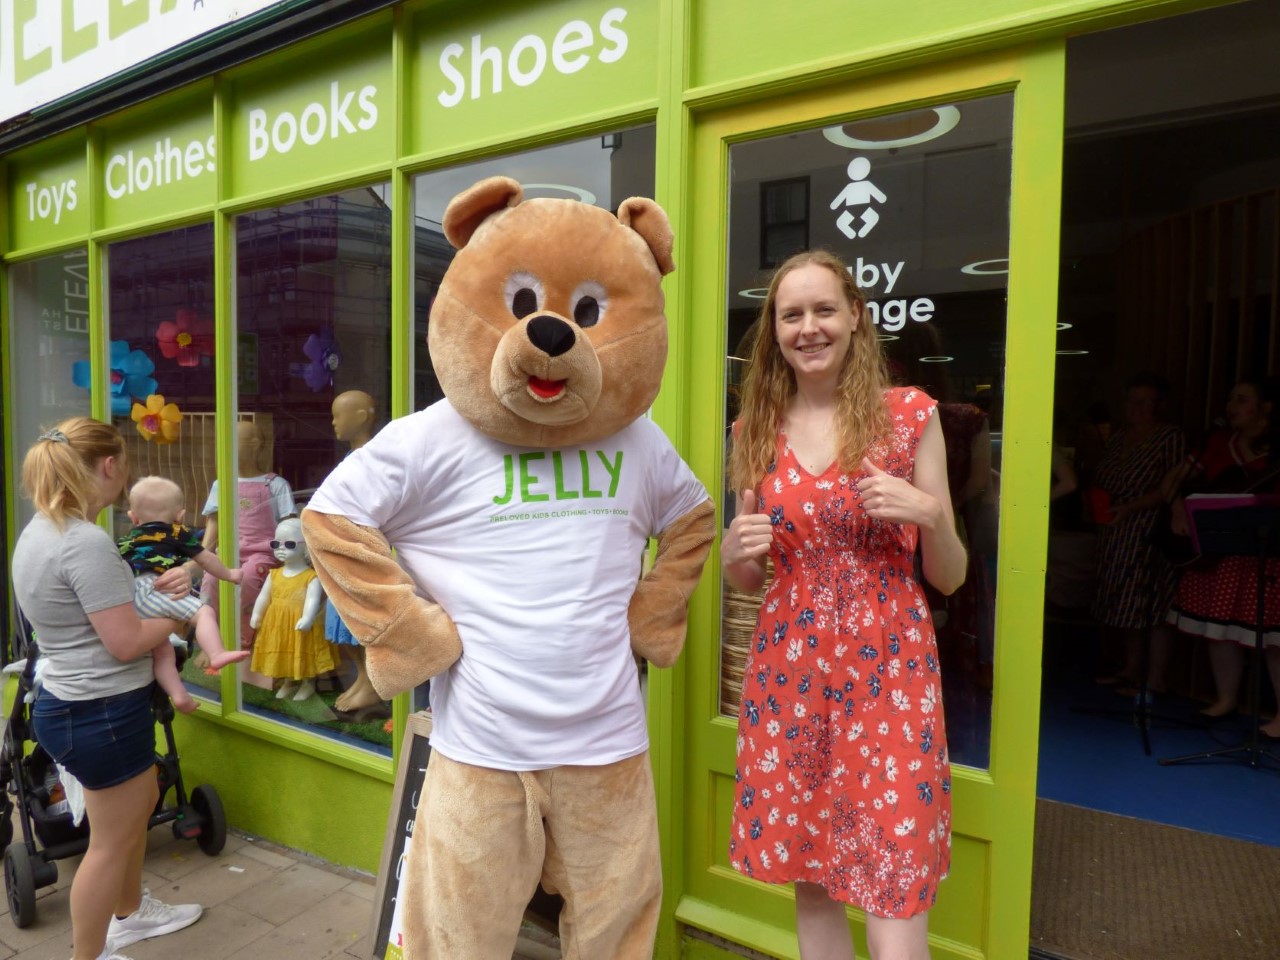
x=313 y=361
x=49 y=350
x=161 y=371
x=602 y=170
x=917 y=204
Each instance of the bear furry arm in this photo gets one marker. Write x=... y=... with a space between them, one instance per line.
x=659 y=609
x=407 y=639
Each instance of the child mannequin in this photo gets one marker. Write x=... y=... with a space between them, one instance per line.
x=290 y=643
x=264 y=499
x=159 y=542
x=353 y=419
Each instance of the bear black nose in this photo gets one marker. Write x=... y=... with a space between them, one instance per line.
x=551 y=335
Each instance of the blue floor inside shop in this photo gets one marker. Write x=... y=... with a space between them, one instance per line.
x=1097 y=761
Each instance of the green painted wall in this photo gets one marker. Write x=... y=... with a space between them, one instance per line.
x=273 y=790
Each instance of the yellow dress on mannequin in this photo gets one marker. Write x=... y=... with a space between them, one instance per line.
x=280 y=649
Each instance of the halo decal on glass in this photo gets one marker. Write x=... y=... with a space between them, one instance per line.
x=754 y=293
x=946 y=119
x=1072 y=353
x=983 y=268
x=577 y=193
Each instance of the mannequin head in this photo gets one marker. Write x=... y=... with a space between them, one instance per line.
x=249 y=447
x=353 y=413
x=289 y=531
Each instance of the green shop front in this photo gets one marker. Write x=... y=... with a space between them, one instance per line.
x=242 y=228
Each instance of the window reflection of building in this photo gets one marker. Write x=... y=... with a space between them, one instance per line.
x=313 y=320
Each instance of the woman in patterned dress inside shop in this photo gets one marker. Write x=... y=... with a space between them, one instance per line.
x=843 y=775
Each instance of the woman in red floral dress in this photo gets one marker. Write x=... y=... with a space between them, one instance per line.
x=843 y=778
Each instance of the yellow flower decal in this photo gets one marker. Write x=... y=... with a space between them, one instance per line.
x=157 y=421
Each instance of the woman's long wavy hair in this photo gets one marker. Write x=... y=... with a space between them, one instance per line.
x=770 y=383
x=58 y=475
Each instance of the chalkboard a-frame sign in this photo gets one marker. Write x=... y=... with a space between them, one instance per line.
x=544 y=909
x=414 y=753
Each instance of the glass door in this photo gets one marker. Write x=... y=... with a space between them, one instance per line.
x=939 y=190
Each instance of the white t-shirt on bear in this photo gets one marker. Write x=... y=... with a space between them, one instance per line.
x=535 y=555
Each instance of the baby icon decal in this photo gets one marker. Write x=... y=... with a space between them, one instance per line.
x=859 y=192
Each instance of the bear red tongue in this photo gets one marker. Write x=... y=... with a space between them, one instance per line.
x=546 y=388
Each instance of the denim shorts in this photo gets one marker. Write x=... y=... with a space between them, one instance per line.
x=102 y=742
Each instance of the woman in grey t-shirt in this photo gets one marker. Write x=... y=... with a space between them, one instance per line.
x=93 y=714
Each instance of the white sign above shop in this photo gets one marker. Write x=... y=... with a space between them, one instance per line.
x=52 y=48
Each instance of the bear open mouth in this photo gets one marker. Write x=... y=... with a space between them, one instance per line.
x=546 y=389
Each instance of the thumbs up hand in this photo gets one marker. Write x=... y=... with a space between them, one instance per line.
x=750 y=534
x=886 y=497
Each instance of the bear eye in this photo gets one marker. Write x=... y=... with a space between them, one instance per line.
x=589 y=303
x=523 y=294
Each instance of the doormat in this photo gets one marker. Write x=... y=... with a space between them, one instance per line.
x=1114 y=888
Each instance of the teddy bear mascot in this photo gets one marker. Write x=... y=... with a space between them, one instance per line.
x=519 y=508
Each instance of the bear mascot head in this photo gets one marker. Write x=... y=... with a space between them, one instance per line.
x=557 y=307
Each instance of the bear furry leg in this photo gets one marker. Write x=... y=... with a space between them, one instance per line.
x=589 y=833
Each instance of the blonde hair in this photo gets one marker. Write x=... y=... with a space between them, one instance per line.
x=770 y=383
x=156 y=498
x=58 y=472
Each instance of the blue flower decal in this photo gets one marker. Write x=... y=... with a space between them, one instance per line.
x=130 y=376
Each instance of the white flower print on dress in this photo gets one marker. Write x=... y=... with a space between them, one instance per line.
x=769 y=761
x=929 y=700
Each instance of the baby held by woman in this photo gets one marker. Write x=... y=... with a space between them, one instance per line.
x=159 y=542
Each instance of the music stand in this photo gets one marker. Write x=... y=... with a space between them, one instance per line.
x=1234 y=525
x=1141 y=713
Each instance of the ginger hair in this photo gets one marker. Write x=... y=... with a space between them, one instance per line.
x=770 y=383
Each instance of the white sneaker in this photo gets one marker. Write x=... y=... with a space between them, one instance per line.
x=152 y=919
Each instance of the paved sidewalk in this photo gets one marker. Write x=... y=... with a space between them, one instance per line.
x=261 y=901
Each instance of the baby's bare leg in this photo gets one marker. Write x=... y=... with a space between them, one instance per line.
x=165 y=664
x=210 y=640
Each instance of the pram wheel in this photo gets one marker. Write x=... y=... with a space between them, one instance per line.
x=213 y=829
x=20 y=884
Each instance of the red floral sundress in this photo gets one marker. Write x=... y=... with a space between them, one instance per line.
x=843 y=778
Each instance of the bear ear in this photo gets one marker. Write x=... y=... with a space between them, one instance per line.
x=650 y=221
x=469 y=209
